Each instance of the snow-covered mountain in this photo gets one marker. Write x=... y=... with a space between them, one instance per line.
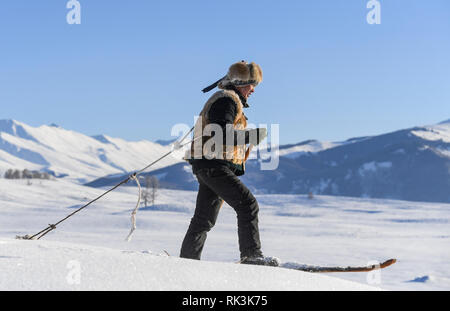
x=411 y=164
x=293 y=151
x=73 y=155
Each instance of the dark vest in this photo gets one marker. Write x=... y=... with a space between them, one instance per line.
x=205 y=147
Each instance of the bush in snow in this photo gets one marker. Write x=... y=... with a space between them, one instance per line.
x=25 y=174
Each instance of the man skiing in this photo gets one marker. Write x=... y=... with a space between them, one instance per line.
x=218 y=159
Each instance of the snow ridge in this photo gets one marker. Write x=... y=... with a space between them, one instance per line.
x=44 y=265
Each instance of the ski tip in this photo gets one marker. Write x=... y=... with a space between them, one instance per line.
x=388 y=262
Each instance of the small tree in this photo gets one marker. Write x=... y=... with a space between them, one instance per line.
x=17 y=174
x=9 y=174
x=26 y=174
x=151 y=185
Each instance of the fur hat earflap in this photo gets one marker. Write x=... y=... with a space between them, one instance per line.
x=239 y=74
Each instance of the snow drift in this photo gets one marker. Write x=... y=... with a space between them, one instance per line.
x=44 y=265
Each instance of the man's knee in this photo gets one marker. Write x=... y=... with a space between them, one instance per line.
x=248 y=207
x=201 y=224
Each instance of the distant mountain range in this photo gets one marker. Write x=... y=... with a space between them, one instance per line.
x=410 y=164
x=72 y=155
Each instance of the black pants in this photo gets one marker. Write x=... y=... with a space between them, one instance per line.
x=216 y=185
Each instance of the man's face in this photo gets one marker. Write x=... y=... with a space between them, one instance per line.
x=247 y=90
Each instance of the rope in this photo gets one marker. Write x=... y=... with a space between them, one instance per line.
x=52 y=227
x=133 y=214
x=176 y=145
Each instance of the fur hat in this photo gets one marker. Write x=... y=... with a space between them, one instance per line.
x=239 y=74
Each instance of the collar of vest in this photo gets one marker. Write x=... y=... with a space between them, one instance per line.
x=242 y=98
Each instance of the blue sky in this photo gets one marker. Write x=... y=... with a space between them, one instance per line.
x=133 y=69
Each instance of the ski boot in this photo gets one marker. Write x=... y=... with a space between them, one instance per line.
x=260 y=260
